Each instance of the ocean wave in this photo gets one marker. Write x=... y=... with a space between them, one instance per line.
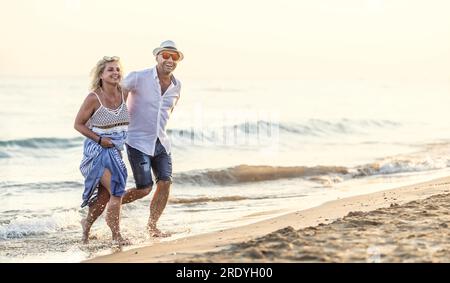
x=433 y=156
x=41 y=186
x=248 y=173
x=205 y=199
x=261 y=128
x=27 y=227
x=4 y=155
x=318 y=127
x=31 y=226
x=267 y=129
x=44 y=142
x=399 y=166
x=325 y=175
x=241 y=174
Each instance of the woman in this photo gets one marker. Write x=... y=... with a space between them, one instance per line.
x=103 y=118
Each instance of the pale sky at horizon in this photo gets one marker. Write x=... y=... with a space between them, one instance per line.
x=322 y=39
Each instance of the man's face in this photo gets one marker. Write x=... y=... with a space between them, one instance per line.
x=167 y=61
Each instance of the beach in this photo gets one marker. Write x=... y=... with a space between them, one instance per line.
x=406 y=224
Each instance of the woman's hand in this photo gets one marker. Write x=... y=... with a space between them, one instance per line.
x=106 y=142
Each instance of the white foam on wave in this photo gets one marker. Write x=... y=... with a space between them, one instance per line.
x=398 y=166
x=433 y=157
x=23 y=226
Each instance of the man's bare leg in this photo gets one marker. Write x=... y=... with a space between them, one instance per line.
x=95 y=210
x=134 y=194
x=113 y=220
x=157 y=207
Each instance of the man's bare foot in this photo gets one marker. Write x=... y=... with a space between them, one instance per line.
x=156 y=233
x=84 y=226
x=120 y=241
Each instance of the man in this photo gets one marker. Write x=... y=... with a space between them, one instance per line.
x=153 y=93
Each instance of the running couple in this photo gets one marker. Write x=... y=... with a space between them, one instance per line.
x=132 y=113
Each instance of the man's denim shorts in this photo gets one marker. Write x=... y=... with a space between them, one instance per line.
x=161 y=164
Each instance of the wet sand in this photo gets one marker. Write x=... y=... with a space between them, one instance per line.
x=407 y=224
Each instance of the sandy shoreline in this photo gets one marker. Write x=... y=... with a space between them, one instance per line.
x=395 y=225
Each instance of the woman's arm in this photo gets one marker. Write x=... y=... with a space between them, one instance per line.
x=87 y=109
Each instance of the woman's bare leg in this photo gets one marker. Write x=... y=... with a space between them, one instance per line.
x=95 y=210
x=113 y=210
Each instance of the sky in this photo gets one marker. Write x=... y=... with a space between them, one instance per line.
x=231 y=39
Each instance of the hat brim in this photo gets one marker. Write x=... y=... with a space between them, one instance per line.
x=156 y=51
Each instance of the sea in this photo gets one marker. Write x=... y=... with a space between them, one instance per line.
x=243 y=151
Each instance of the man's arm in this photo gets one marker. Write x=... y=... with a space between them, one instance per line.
x=128 y=84
x=125 y=92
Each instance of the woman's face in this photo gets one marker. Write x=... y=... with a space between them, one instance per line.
x=111 y=73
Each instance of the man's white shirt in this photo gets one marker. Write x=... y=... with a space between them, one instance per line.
x=149 y=110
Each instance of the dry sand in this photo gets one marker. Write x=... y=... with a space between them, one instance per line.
x=407 y=224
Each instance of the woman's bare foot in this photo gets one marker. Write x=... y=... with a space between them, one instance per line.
x=86 y=229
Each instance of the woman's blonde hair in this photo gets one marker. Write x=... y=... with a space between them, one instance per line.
x=96 y=81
